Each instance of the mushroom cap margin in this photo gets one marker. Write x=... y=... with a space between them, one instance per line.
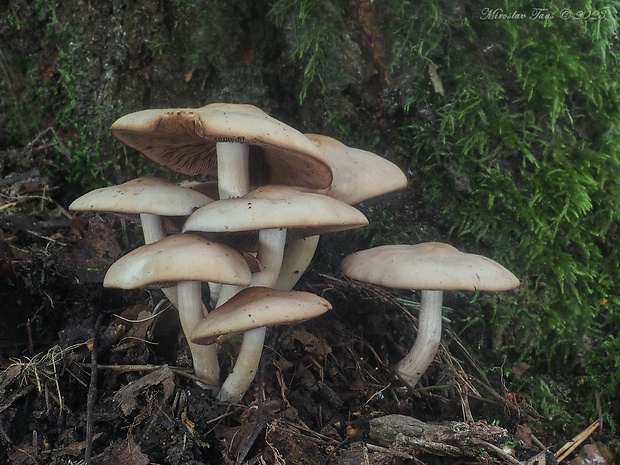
x=427 y=266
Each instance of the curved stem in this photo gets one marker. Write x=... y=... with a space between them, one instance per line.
x=205 y=361
x=270 y=250
x=421 y=355
x=298 y=254
x=245 y=367
x=152 y=227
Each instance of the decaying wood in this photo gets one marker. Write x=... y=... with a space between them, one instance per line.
x=448 y=438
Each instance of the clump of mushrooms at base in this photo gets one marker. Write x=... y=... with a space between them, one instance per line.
x=256 y=231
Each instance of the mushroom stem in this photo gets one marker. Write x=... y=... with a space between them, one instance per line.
x=297 y=256
x=152 y=227
x=206 y=366
x=246 y=365
x=226 y=292
x=189 y=306
x=421 y=355
x=270 y=250
x=233 y=172
x=233 y=180
x=153 y=230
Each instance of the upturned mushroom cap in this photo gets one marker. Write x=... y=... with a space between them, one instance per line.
x=182 y=257
x=142 y=195
x=183 y=140
x=256 y=307
x=276 y=207
x=358 y=174
x=427 y=266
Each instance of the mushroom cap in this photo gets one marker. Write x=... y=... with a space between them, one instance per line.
x=208 y=188
x=427 y=266
x=255 y=307
x=272 y=206
x=182 y=257
x=142 y=195
x=358 y=174
x=184 y=140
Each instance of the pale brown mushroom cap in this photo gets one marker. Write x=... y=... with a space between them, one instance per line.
x=256 y=307
x=182 y=257
x=208 y=188
x=184 y=139
x=142 y=195
x=428 y=266
x=358 y=174
x=271 y=207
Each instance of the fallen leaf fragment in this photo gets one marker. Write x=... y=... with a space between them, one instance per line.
x=435 y=79
x=126 y=453
x=75 y=449
x=524 y=434
x=312 y=344
x=127 y=395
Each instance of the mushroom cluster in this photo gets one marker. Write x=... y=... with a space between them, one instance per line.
x=252 y=234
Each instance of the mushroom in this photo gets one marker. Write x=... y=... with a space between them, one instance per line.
x=431 y=267
x=218 y=137
x=150 y=198
x=258 y=306
x=252 y=308
x=157 y=203
x=186 y=260
x=359 y=175
x=272 y=211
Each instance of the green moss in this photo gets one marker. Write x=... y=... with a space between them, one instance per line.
x=52 y=84
x=522 y=156
x=316 y=26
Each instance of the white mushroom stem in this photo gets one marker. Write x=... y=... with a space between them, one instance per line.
x=298 y=254
x=152 y=227
x=204 y=358
x=233 y=172
x=270 y=250
x=226 y=292
x=190 y=306
x=426 y=345
x=153 y=230
x=233 y=180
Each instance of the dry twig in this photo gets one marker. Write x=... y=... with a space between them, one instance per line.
x=571 y=445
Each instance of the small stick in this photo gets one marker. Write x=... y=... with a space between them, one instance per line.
x=599 y=411
x=387 y=451
x=91 y=398
x=571 y=445
x=7 y=205
x=536 y=441
x=509 y=458
x=185 y=372
x=29 y=332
